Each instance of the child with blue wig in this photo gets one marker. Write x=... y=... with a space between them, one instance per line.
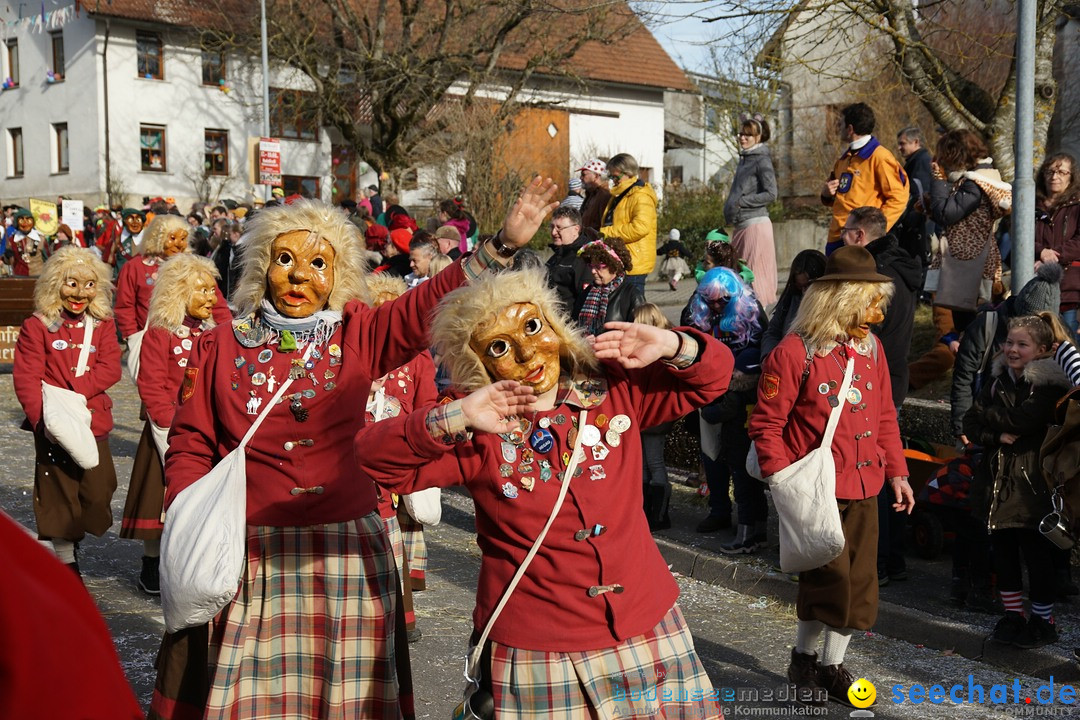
x=725 y=306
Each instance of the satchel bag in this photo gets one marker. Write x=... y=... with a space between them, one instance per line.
x=203 y=544
x=477 y=704
x=804 y=493
x=65 y=415
x=961 y=280
x=425 y=506
x=134 y=344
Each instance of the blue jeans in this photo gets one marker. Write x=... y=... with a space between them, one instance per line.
x=638 y=280
x=1069 y=318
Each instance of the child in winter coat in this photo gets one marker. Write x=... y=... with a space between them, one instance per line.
x=1009 y=419
x=655 y=482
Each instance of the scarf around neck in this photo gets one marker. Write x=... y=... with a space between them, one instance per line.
x=594 y=311
x=316 y=328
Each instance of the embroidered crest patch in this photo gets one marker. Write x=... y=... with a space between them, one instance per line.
x=187 y=389
x=770 y=385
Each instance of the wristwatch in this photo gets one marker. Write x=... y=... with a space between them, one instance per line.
x=501 y=249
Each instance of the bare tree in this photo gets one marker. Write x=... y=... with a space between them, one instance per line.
x=957 y=57
x=380 y=72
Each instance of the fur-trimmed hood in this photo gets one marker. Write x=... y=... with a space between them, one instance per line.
x=1040 y=372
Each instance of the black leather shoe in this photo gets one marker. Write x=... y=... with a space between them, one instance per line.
x=713 y=523
x=803 y=672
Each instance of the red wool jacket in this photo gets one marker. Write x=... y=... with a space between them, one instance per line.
x=220 y=385
x=552 y=608
x=133 y=289
x=790 y=417
x=162 y=360
x=47 y=609
x=51 y=354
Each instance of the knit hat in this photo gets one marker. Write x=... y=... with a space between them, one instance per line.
x=674 y=234
x=132 y=211
x=401 y=237
x=21 y=213
x=596 y=165
x=574 y=184
x=278 y=192
x=1040 y=293
x=376 y=236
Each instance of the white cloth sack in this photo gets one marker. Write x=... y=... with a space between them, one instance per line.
x=67 y=421
x=161 y=439
x=134 y=344
x=804 y=494
x=425 y=506
x=65 y=415
x=204 y=543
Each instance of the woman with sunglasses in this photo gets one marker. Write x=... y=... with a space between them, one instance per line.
x=608 y=298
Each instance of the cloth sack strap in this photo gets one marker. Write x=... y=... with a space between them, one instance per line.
x=473 y=659
x=273 y=401
x=84 y=353
x=834 y=416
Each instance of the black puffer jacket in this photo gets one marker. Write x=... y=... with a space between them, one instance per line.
x=895 y=332
x=1009 y=490
x=567 y=273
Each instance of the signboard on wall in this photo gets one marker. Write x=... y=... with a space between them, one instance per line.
x=71 y=214
x=270 y=161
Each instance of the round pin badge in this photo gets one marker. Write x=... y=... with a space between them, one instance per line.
x=542 y=440
x=60 y=345
x=590 y=435
x=258 y=379
x=334 y=350
x=265 y=355
x=183 y=332
x=309 y=393
x=854 y=396
x=309 y=364
x=544 y=422
x=177 y=350
x=613 y=438
x=620 y=423
x=185 y=343
x=823 y=388
x=506 y=470
x=315 y=353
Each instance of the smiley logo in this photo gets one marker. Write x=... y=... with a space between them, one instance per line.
x=862 y=693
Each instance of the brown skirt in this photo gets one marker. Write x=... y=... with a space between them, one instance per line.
x=146 y=492
x=69 y=501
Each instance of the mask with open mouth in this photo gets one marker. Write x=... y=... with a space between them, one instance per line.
x=301 y=274
x=518 y=343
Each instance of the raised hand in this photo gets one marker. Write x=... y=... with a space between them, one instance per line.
x=489 y=408
x=527 y=214
x=634 y=345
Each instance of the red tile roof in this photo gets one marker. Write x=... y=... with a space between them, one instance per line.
x=632 y=56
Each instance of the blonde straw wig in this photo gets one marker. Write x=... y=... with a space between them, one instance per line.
x=56 y=272
x=829 y=308
x=464 y=310
x=329 y=222
x=158 y=231
x=379 y=284
x=174 y=287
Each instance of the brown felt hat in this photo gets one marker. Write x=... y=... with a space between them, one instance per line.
x=853 y=263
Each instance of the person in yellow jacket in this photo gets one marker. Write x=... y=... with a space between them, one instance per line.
x=630 y=215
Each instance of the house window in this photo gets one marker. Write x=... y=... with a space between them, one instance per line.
x=15 y=152
x=13 y=60
x=60 y=132
x=148 y=50
x=674 y=174
x=299 y=185
x=152 y=148
x=59 y=68
x=216 y=152
x=291 y=115
x=213 y=68
x=410 y=179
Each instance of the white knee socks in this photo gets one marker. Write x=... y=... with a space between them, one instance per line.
x=64 y=549
x=807 y=635
x=836 y=642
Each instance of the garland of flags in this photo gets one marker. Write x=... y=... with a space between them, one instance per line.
x=40 y=22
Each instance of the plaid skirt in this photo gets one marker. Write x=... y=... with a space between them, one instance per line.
x=415 y=548
x=311 y=632
x=401 y=560
x=146 y=492
x=655 y=675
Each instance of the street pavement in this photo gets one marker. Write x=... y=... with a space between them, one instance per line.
x=740 y=610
